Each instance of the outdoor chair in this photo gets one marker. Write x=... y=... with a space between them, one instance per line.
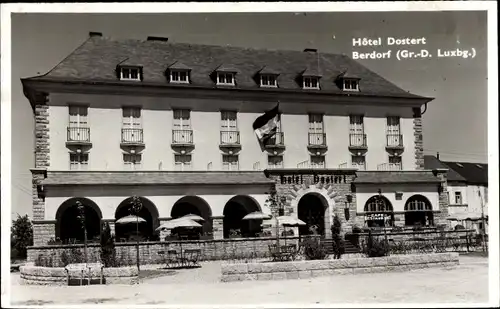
x=192 y=256
x=172 y=259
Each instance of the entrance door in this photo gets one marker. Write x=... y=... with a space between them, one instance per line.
x=311 y=210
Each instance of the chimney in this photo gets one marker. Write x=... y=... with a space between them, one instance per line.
x=310 y=50
x=437 y=156
x=95 y=34
x=157 y=38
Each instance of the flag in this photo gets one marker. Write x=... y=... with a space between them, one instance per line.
x=265 y=126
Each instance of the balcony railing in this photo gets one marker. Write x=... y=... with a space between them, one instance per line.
x=357 y=140
x=277 y=140
x=317 y=139
x=389 y=167
x=182 y=136
x=132 y=136
x=230 y=137
x=78 y=134
x=394 y=141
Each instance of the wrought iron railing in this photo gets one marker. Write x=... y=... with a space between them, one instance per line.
x=394 y=140
x=230 y=137
x=132 y=136
x=317 y=139
x=78 y=134
x=182 y=136
x=277 y=140
x=357 y=140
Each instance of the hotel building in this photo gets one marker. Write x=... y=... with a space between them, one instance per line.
x=172 y=124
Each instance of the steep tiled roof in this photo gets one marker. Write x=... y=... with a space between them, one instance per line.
x=96 y=60
x=154 y=178
x=431 y=162
x=395 y=177
x=474 y=173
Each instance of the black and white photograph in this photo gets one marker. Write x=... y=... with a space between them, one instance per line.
x=250 y=154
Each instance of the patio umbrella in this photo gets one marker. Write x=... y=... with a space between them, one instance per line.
x=290 y=221
x=193 y=217
x=180 y=222
x=256 y=215
x=130 y=219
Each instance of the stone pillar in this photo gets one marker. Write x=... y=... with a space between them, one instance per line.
x=164 y=233
x=440 y=217
x=399 y=219
x=418 y=136
x=111 y=223
x=43 y=231
x=41 y=109
x=218 y=228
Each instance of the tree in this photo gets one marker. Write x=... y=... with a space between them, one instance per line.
x=22 y=235
x=135 y=209
x=82 y=218
x=338 y=244
x=276 y=203
x=108 y=252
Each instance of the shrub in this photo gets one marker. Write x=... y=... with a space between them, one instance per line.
x=375 y=247
x=108 y=251
x=338 y=244
x=314 y=249
x=22 y=235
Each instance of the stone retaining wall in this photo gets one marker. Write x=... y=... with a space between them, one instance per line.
x=36 y=275
x=148 y=251
x=316 y=268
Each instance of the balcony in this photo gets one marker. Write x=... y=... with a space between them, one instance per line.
x=389 y=167
x=317 y=140
x=394 y=142
x=132 y=137
x=182 y=137
x=357 y=142
x=78 y=136
x=277 y=141
x=230 y=138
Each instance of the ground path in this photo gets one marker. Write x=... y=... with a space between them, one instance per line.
x=466 y=283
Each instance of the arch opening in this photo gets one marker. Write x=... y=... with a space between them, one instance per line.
x=234 y=211
x=197 y=206
x=311 y=210
x=131 y=231
x=418 y=211
x=379 y=212
x=68 y=226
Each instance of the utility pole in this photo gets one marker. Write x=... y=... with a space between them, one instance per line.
x=485 y=245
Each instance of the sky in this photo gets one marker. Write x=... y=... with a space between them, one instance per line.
x=454 y=123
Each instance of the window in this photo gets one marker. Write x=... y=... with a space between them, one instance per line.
x=183 y=162
x=78 y=161
x=379 y=212
x=350 y=85
x=229 y=121
x=315 y=123
x=310 y=82
x=132 y=118
x=356 y=124
x=317 y=161
x=130 y=73
x=275 y=161
x=418 y=211
x=395 y=163
x=230 y=162
x=393 y=125
x=78 y=116
x=132 y=160
x=182 y=119
x=268 y=80
x=358 y=162
x=179 y=76
x=224 y=78
x=458 y=198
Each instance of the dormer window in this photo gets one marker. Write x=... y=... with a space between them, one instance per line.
x=179 y=76
x=310 y=82
x=130 y=73
x=268 y=80
x=350 y=85
x=225 y=78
